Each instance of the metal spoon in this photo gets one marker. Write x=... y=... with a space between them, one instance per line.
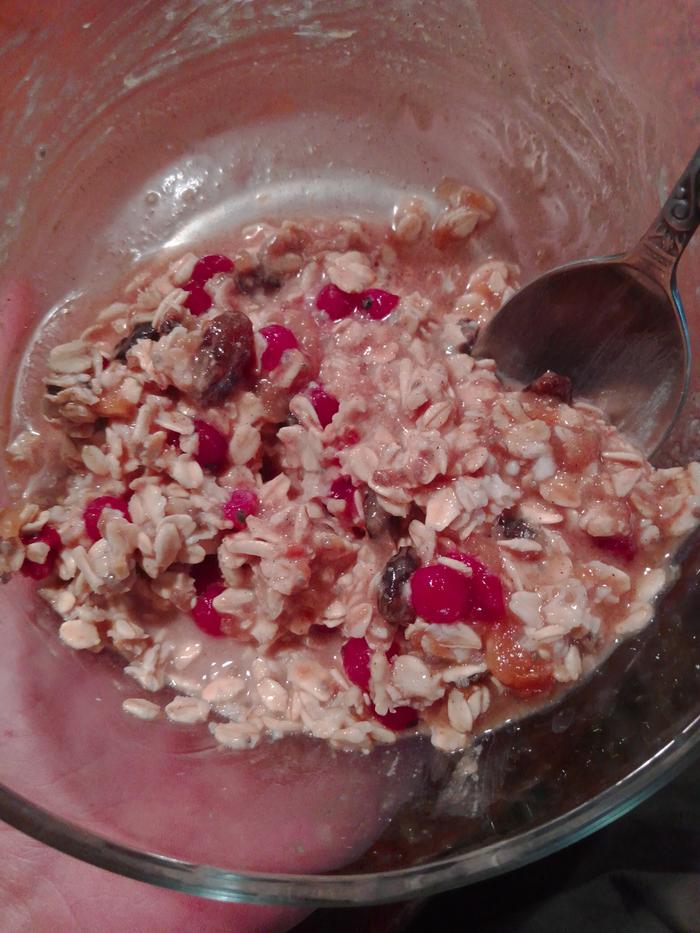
x=614 y=325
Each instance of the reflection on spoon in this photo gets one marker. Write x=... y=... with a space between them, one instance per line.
x=615 y=326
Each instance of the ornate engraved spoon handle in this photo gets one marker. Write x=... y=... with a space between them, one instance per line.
x=662 y=245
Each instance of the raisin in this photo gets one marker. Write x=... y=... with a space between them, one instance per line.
x=510 y=526
x=248 y=282
x=392 y=601
x=143 y=331
x=224 y=359
x=378 y=521
x=551 y=383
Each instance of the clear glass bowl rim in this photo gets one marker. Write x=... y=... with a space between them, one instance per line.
x=319 y=890
x=348 y=889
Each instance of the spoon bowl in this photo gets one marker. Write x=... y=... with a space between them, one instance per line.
x=614 y=326
x=618 y=335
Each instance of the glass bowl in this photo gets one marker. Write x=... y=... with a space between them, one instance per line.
x=161 y=124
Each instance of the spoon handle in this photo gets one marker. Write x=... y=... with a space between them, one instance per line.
x=661 y=247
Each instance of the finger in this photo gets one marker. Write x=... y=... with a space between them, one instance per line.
x=41 y=889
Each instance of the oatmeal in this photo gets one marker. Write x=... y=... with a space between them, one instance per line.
x=291 y=494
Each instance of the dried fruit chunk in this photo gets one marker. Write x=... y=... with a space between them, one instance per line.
x=510 y=526
x=393 y=601
x=378 y=521
x=224 y=359
x=551 y=383
x=114 y=404
x=515 y=666
x=143 y=331
x=248 y=280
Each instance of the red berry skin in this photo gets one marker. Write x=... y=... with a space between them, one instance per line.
x=440 y=594
x=205 y=616
x=393 y=652
x=343 y=490
x=356 y=655
x=622 y=546
x=209 y=266
x=36 y=571
x=488 y=601
x=93 y=512
x=50 y=536
x=33 y=569
x=198 y=301
x=325 y=405
x=212 y=447
x=336 y=303
x=377 y=303
x=241 y=504
x=278 y=340
x=488 y=598
x=399 y=719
